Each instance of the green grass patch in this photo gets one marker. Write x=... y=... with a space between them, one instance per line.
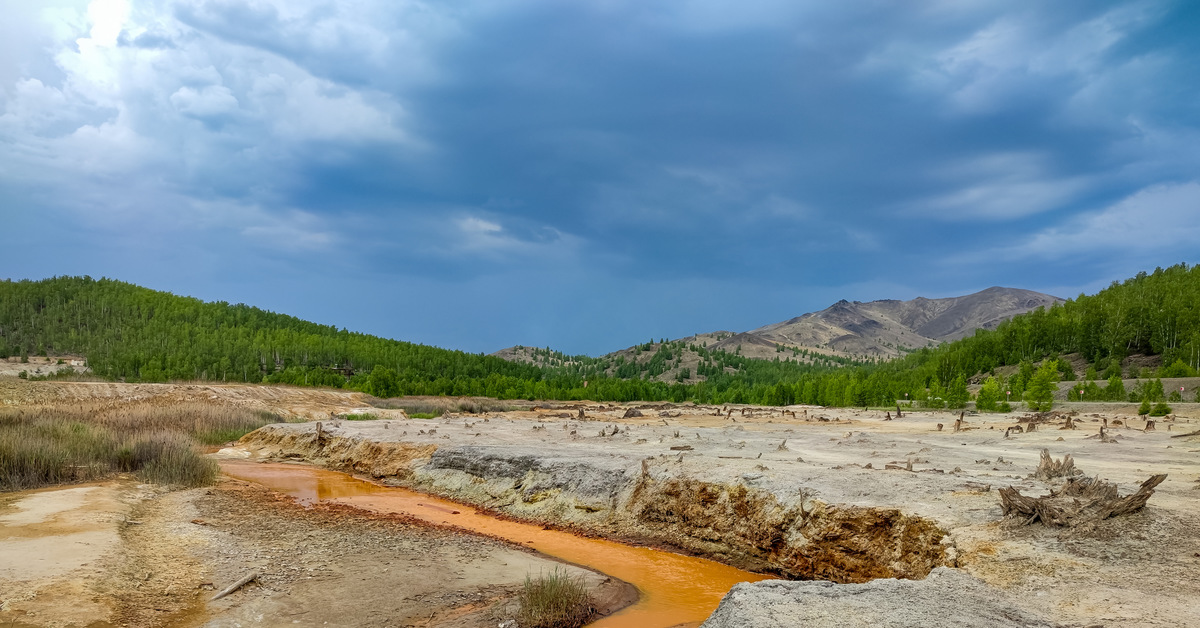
x=554 y=600
x=360 y=417
x=424 y=415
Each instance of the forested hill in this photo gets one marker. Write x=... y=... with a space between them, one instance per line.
x=135 y=333
x=1153 y=314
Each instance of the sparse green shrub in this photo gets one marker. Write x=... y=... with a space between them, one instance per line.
x=1145 y=408
x=1040 y=393
x=1160 y=409
x=366 y=416
x=989 y=396
x=1115 y=390
x=554 y=600
x=957 y=395
x=1065 y=372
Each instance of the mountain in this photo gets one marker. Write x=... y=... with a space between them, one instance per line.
x=845 y=333
x=889 y=327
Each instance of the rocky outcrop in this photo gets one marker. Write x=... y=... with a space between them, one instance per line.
x=946 y=599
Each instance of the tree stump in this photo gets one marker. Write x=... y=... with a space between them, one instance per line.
x=1049 y=468
x=1080 y=501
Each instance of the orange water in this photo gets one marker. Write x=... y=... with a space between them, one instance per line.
x=675 y=590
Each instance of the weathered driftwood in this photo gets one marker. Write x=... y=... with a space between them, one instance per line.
x=253 y=575
x=1079 y=501
x=1196 y=433
x=1049 y=468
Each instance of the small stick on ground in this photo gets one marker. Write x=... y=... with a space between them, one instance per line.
x=253 y=575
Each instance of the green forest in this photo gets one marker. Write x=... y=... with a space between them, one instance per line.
x=131 y=333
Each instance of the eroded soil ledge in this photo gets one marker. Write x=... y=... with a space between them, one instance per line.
x=624 y=495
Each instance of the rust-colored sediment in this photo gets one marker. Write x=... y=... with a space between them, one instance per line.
x=675 y=589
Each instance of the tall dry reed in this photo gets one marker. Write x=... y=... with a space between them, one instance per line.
x=56 y=444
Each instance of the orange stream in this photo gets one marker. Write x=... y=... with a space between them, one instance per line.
x=674 y=589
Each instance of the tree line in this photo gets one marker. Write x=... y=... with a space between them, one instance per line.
x=136 y=334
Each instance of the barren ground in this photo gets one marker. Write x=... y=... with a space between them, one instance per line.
x=119 y=554
x=159 y=569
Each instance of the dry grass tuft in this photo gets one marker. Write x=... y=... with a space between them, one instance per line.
x=555 y=600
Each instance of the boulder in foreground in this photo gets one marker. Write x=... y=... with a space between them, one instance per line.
x=947 y=598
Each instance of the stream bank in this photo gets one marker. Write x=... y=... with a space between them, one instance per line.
x=845 y=496
x=623 y=495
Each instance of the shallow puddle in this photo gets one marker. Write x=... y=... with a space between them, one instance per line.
x=675 y=589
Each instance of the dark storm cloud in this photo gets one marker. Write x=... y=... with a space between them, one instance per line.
x=686 y=157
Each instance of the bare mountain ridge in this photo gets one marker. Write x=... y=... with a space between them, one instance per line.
x=847 y=329
x=887 y=327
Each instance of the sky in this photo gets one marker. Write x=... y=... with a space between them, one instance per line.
x=587 y=175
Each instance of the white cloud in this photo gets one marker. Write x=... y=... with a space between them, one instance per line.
x=107 y=17
x=1023 y=56
x=490 y=239
x=103 y=112
x=999 y=186
x=474 y=226
x=1157 y=219
x=294 y=230
x=208 y=102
